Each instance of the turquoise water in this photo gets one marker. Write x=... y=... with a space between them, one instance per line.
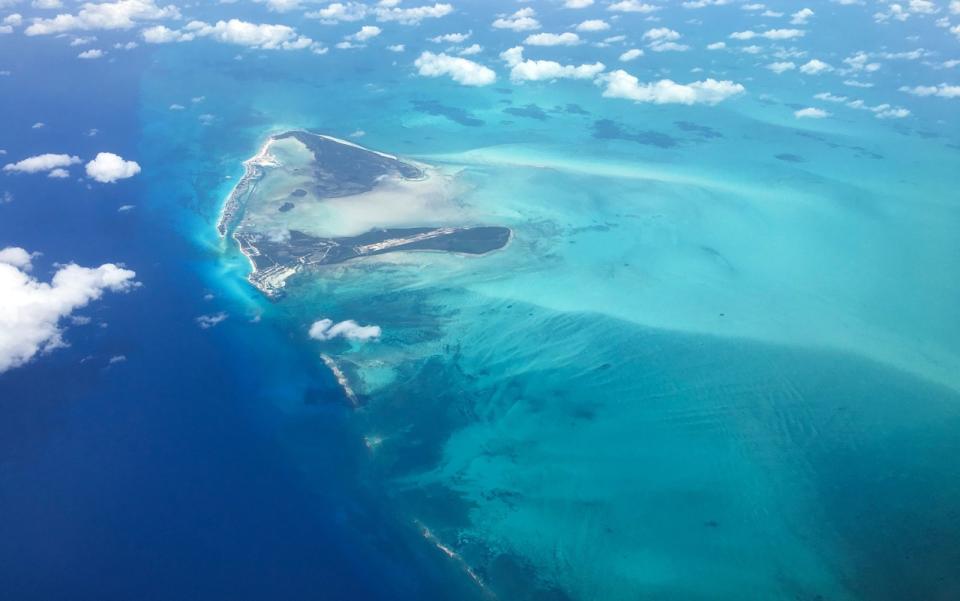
x=717 y=361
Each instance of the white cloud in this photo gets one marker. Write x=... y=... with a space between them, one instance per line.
x=577 y=3
x=661 y=34
x=122 y=14
x=384 y=11
x=892 y=113
x=325 y=329
x=42 y=162
x=552 y=39
x=770 y=34
x=522 y=20
x=620 y=84
x=58 y=173
x=633 y=6
x=704 y=3
x=631 y=54
x=242 y=33
x=899 y=12
x=396 y=48
x=662 y=39
x=942 y=91
x=811 y=113
x=451 y=38
x=31 y=310
x=716 y=46
x=338 y=11
x=461 y=70
x=880 y=111
x=16 y=256
x=815 y=67
x=830 y=97
x=593 y=25
x=160 y=34
x=801 y=16
x=46 y=4
x=411 y=16
x=108 y=168
x=93 y=53
x=367 y=32
x=781 y=67
x=541 y=70
x=471 y=50
x=281 y=6
x=254 y=35
x=208 y=321
x=860 y=62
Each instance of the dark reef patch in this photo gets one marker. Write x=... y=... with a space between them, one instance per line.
x=455 y=114
x=530 y=111
x=606 y=129
x=704 y=131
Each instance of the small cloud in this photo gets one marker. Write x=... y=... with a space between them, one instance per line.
x=463 y=71
x=41 y=163
x=801 y=16
x=815 y=67
x=620 y=84
x=522 y=20
x=811 y=113
x=553 y=39
x=633 y=6
x=208 y=321
x=451 y=38
x=593 y=25
x=781 y=67
x=108 y=168
x=367 y=32
x=941 y=91
x=325 y=329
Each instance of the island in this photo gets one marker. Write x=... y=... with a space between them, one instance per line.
x=307 y=200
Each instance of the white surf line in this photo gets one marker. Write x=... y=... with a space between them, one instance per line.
x=263 y=158
x=453 y=555
x=354 y=145
x=341 y=379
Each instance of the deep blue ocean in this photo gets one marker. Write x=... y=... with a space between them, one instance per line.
x=718 y=359
x=168 y=476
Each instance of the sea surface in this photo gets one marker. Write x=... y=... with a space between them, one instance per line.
x=719 y=359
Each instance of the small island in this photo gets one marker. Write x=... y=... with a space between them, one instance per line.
x=300 y=185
